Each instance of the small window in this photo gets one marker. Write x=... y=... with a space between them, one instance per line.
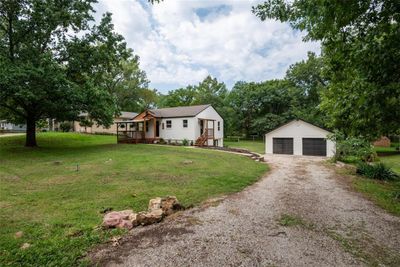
x=169 y=124
x=162 y=126
x=185 y=123
x=147 y=126
x=219 y=126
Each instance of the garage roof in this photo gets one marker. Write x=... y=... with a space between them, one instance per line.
x=283 y=125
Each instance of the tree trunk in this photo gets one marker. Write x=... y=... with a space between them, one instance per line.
x=30 y=132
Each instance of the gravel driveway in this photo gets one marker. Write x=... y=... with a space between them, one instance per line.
x=300 y=214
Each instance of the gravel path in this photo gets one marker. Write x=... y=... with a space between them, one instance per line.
x=300 y=214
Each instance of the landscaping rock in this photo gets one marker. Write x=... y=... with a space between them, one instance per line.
x=133 y=219
x=25 y=246
x=187 y=162
x=170 y=205
x=150 y=217
x=120 y=219
x=125 y=214
x=125 y=224
x=19 y=234
x=155 y=204
x=112 y=219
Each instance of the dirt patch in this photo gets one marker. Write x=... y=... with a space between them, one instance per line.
x=144 y=238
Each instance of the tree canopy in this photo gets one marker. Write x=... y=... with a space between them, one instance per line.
x=360 y=46
x=55 y=62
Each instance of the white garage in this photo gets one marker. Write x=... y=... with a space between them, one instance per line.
x=299 y=138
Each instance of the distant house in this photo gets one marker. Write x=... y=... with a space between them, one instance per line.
x=298 y=137
x=200 y=125
x=11 y=127
x=81 y=128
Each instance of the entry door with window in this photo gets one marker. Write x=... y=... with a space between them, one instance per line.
x=282 y=146
x=314 y=146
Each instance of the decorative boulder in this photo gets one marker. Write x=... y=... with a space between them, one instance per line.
x=155 y=204
x=133 y=219
x=170 y=204
x=125 y=224
x=120 y=219
x=150 y=217
x=112 y=219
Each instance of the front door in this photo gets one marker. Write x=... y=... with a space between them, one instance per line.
x=201 y=127
x=157 y=129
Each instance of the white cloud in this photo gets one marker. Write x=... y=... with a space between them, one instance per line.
x=179 y=43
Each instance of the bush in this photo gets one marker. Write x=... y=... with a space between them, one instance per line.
x=65 y=126
x=162 y=141
x=185 y=142
x=376 y=171
x=354 y=148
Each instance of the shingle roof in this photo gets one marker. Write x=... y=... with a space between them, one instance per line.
x=127 y=115
x=187 y=111
x=124 y=115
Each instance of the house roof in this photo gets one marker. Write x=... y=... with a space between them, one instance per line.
x=127 y=115
x=186 y=111
x=289 y=122
x=124 y=115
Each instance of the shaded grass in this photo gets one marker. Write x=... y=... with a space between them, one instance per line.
x=392 y=162
x=58 y=207
x=386 y=194
x=256 y=146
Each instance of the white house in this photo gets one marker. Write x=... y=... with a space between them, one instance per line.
x=11 y=127
x=200 y=125
x=94 y=128
x=299 y=138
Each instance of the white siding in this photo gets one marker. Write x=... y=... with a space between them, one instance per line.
x=212 y=114
x=177 y=131
x=299 y=130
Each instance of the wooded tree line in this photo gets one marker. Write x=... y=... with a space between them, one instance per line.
x=252 y=108
x=56 y=62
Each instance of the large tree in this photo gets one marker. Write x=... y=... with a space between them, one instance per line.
x=260 y=107
x=131 y=87
x=308 y=83
x=360 y=42
x=55 y=62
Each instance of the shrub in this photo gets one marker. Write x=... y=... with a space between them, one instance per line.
x=65 y=126
x=354 y=148
x=162 y=141
x=376 y=171
x=185 y=142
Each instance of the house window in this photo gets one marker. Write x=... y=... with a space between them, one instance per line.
x=147 y=127
x=185 y=123
x=162 y=126
x=169 y=124
x=219 y=126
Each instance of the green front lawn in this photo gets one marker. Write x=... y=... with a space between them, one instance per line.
x=384 y=193
x=392 y=161
x=257 y=146
x=54 y=194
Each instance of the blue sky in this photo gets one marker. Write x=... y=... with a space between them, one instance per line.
x=181 y=42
